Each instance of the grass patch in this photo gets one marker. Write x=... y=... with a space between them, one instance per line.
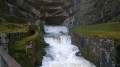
x=21 y=43
x=104 y=30
x=6 y=27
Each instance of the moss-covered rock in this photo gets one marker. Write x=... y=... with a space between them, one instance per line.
x=96 y=50
x=26 y=42
x=7 y=27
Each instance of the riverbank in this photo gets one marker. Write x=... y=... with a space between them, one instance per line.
x=104 y=30
x=24 y=42
x=99 y=43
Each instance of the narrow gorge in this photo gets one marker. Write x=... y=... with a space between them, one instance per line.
x=59 y=33
x=60 y=51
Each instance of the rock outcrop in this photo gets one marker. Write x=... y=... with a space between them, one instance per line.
x=71 y=12
x=53 y=11
x=4 y=41
x=102 y=52
x=92 y=11
x=19 y=11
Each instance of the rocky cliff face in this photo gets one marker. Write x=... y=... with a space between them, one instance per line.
x=56 y=11
x=102 y=52
x=92 y=11
x=19 y=11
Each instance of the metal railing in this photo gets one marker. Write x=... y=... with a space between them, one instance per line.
x=6 y=60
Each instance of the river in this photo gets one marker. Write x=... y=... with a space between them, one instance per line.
x=61 y=52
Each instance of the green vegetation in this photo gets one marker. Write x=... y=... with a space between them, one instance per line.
x=117 y=43
x=21 y=43
x=104 y=30
x=27 y=59
x=6 y=27
x=17 y=48
x=21 y=34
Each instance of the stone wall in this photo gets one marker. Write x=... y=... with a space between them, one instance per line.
x=101 y=52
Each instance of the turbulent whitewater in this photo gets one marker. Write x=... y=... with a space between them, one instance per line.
x=60 y=52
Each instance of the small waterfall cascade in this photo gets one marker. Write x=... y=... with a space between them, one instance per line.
x=60 y=52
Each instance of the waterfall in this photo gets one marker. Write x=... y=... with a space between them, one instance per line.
x=60 y=52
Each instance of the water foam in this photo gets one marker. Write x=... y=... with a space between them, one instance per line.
x=60 y=52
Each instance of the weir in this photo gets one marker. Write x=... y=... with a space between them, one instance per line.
x=61 y=52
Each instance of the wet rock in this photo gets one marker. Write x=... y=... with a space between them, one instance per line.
x=4 y=41
x=102 y=52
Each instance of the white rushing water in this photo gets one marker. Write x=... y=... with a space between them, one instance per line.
x=60 y=52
